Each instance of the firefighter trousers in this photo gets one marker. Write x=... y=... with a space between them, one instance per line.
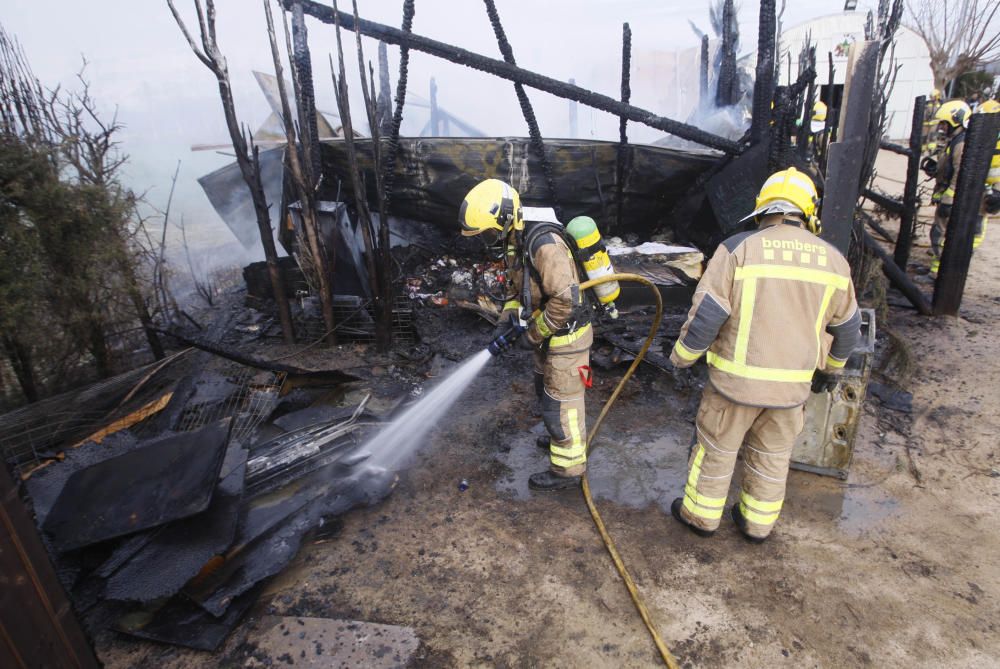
x=561 y=394
x=766 y=437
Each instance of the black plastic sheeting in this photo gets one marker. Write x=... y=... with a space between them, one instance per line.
x=166 y=479
x=181 y=549
x=433 y=176
x=183 y=623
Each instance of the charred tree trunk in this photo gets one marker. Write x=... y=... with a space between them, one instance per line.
x=384 y=91
x=727 y=92
x=21 y=361
x=211 y=57
x=303 y=179
x=308 y=123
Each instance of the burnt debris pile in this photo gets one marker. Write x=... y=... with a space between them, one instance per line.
x=166 y=518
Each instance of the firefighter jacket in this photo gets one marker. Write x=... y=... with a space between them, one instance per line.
x=560 y=313
x=773 y=306
x=947 y=171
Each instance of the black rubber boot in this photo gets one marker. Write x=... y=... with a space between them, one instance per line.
x=742 y=524
x=675 y=511
x=543 y=442
x=548 y=481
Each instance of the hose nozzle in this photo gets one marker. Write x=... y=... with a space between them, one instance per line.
x=506 y=339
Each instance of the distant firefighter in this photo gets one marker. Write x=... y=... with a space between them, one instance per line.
x=775 y=306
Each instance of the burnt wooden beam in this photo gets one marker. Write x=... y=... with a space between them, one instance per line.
x=516 y=74
x=306 y=90
x=893 y=147
x=980 y=142
x=908 y=219
x=623 y=137
x=898 y=277
x=888 y=203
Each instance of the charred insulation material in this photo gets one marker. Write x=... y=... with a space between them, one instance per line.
x=166 y=479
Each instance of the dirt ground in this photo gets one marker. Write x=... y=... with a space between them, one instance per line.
x=895 y=567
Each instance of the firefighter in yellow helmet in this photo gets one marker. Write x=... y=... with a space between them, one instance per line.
x=952 y=118
x=544 y=298
x=929 y=147
x=991 y=196
x=775 y=315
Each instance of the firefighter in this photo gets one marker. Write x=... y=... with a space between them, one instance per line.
x=775 y=315
x=929 y=147
x=991 y=197
x=953 y=119
x=543 y=293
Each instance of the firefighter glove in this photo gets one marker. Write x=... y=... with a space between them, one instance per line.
x=992 y=202
x=823 y=382
x=929 y=166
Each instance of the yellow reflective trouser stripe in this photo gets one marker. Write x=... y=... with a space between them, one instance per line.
x=827 y=294
x=684 y=353
x=511 y=304
x=589 y=240
x=791 y=273
x=543 y=327
x=747 y=301
x=833 y=362
x=709 y=508
x=565 y=340
x=759 y=373
x=756 y=511
x=576 y=452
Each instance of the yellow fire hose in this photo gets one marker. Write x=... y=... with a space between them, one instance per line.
x=633 y=591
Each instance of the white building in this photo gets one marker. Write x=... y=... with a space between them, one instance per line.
x=835 y=34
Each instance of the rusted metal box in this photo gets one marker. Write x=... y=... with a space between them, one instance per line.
x=826 y=444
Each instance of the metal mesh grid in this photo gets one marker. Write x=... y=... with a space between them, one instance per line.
x=256 y=395
x=356 y=323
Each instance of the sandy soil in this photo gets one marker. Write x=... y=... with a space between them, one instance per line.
x=881 y=570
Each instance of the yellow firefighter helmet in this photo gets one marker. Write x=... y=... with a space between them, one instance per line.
x=954 y=112
x=935 y=94
x=789 y=192
x=491 y=205
x=819 y=111
x=988 y=107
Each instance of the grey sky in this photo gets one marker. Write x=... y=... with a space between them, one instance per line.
x=139 y=62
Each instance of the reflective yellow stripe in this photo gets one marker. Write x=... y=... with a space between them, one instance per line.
x=511 y=304
x=823 y=306
x=948 y=192
x=833 y=362
x=709 y=508
x=576 y=452
x=759 y=373
x=684 y=353
x=543 y=327
x=756 y=511
x=565 y=340
x=792 y=274
x=589 y=240
x=747 y=301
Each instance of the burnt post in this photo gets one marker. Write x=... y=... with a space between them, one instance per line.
x=763 y=87
x=623 y=137
x=843 y=175
x=435 y=118
x=980 y=142
x=728 y=85
x=307 y=93
x=703 y=74
x=37 y=625
x=908 y=219
x=384 y=103
x=572 y=114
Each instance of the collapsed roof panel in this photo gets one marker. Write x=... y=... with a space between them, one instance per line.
x=168 y=479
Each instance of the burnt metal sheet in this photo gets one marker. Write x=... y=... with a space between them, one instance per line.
x=183 y=623
x=229 y=195
x=181 y=549
x=167 y=479
x=434 y=174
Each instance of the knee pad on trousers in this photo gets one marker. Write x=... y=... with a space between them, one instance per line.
x=552 y=417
